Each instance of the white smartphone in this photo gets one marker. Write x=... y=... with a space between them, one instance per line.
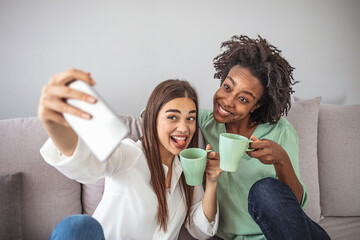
x=104 y=131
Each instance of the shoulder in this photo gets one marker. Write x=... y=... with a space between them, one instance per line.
x=205 y=116
x=129 y=145
x=286 y=131
x=284 y=124
x=282 y=129
x=205 y=112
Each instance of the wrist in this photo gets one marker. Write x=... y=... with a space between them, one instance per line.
x=211 y=183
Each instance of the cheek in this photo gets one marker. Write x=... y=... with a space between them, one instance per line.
x=217 y=95
x=242 y=110
x=192 y=129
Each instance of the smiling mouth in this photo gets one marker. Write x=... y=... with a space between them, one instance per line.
x=179 y=142
x=223 y=111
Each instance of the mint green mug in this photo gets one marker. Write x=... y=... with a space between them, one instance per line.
x=193 y=163
x=232 y=148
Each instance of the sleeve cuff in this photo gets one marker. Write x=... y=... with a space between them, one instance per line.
x=201 y=222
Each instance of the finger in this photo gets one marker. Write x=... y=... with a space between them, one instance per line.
x=213 y=156
x=70 y=75
x=52 y=116
x=50 y=91
x=260 y=154
x=61 y=107
x=254 y=138
x=259 y=144
x=213 y=162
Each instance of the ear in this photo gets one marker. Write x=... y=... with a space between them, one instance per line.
x=255 y=107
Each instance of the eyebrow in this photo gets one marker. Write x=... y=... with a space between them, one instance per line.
x=232 y=80
x=244 y=91
x=177 y=111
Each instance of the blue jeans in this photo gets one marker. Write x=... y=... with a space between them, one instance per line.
x=78 y=227
x=276 y=210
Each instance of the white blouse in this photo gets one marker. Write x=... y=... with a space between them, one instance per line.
x=128 y=208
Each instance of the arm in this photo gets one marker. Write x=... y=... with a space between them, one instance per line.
x=204 y=211
x=213 y=173
x=52 y=106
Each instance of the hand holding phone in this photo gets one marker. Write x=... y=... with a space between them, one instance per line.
x=104 y=131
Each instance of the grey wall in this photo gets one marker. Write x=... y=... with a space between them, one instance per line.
x=130 y=46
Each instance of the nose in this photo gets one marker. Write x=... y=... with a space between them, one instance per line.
x=182 y=126
x=228 y=101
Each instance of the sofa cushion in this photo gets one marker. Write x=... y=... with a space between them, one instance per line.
x=339 y=159
x=303 y=116
x=91 y=196
x=47 y=196
x=10 y=207
x=340 y=228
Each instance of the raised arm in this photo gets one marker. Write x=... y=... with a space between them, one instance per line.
x=213 y=172
x=52 y=106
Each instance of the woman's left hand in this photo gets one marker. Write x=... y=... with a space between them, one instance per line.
x=212 y=169
x=267 y=151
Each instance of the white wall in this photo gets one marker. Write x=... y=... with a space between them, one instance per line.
x=130 y=46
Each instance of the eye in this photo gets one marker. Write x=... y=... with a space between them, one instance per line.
x=227 y=87
x=243 y=100
x=192 y=118
x=171 y=117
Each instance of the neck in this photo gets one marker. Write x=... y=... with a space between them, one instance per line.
x=244 y=128
x=167 y=159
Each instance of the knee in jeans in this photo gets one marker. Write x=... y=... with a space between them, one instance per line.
x=78 y=222
x=262 y=189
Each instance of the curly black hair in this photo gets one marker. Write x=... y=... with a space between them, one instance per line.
x=265 y=63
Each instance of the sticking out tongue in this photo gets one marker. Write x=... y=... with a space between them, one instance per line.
x=180 y=143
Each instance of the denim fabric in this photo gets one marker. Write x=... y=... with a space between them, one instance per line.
x=79 y=227
x=276 y=210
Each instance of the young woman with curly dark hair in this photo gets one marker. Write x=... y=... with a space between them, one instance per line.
x=264 y=197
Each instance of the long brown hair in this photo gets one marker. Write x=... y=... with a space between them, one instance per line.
x=163 y=93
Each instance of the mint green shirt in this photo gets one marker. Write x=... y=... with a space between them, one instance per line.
x=233 y=187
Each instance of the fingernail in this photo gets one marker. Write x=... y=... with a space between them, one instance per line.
x=92 y=81
x=91 y=99
x=86 y=116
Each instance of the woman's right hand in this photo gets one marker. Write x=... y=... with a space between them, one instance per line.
x=52 y=106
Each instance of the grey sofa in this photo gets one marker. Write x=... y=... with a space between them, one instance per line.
x=329 y=163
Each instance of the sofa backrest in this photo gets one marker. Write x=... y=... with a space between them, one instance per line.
x=339 y=160
x=47 y=196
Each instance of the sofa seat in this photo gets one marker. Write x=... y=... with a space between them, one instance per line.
x=342 y=227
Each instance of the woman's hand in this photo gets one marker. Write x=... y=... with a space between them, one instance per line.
x=212 y=170
x=270 y=152
x=52 y=106
x=267 y=151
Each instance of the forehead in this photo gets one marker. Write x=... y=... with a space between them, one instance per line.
x=243 y=78
x=184 y=105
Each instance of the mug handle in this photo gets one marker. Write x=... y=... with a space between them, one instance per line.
x=249 y=149
x=207 y=151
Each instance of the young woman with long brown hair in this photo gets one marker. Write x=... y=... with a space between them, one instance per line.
x=145 y=195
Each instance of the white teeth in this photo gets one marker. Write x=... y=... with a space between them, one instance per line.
x=223 y=111
x=179 y=138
